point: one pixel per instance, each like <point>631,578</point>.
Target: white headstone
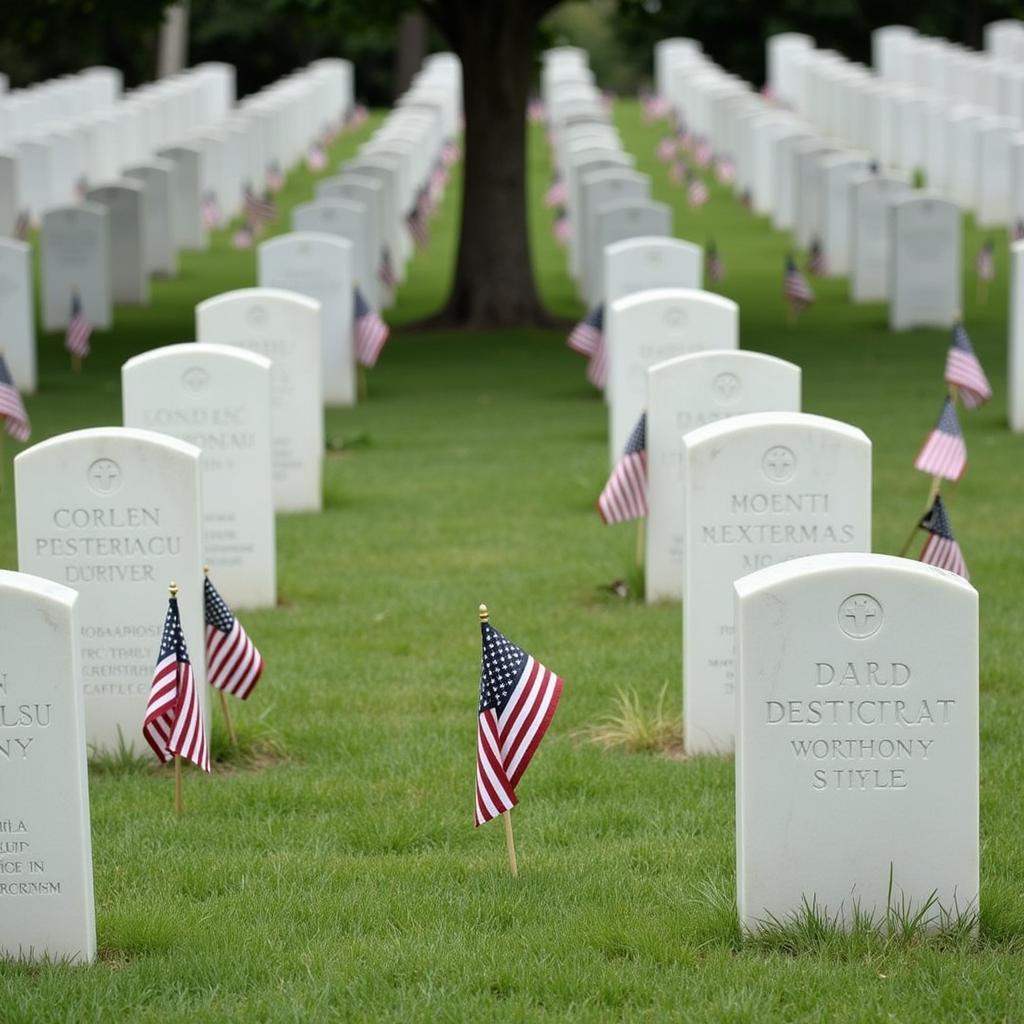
<point>925,289</point>
<point>758,489</point>
<point>838,173</point>
<point>129,281</point>
<point>870,197</point>
<point>218,399</point>
<point>187,225</point>
<point>45,842</point>
<point>683,394</point>
<point>75,258</point>
<point>157,179</point>
<point>649,327</point>
<point>319,266</point>
<point>857,740</point>
<point>638,264</point>
<point>348,219</point>
<point>284,327</point>
<point>1015,367</point>
<point>115,513</point>
<point>17,313</point>
<point>617,221</point>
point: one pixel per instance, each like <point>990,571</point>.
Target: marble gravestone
<point>857,739</point>
<point>115,513</point>
<point>188,229</point>
<point>682,394</point>
<point>157,180</point>
<point>218,399</point>
<point>1015,360</point>
<point>10,200</point>
<point>17,316</point>
<point>649,327</point>
<point>369,193</point>
<point>319,266</point>
<point>45,842</point>
<point>129,281</point>
<point>925,288</point>
<point>838,171</point>
<point>75,258</point>
<point>639,264</point>
<point>616,221</point>
<point>284,327</point>
<point>348,219</point>
<point>870,197</point>
<point>758,489</point>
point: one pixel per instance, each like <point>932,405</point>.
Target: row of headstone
<point>894,244</point>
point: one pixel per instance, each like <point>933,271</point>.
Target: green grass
<point>344,879</point>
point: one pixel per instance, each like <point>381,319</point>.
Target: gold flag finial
<point>173,589</point>
<point>483,613</point>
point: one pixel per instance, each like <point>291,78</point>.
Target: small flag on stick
<point>795,288</point>
<point>625,494</point>
<point>316,158</point>
<point>557,193</point>
<point>387,275</point>
<point>944,452</point>
<point>714,268</point>
<point>941,547</point>
<point>518,698</point>
<point>173,725</point>
<point>370,330</point>
<point>12,408</point>
<point>78,333</point>
<point>964,371</point>
<point>587,334</point>
<point>233,664</point>
<point>985,268</point>
<point>597,367</point>
<point>696,191</point>
<point>816,258</point>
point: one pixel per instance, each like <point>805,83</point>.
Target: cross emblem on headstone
<point>779,463</point>
<point>860,616</point>
<point>726,385</point>
<point>104,475</point>
<point>861,612</point>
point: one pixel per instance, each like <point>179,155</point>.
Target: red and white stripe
<point>557,194</point>
<point>942,455</point>
<point>964,371</point>
<point>697,194</point>
<point>597,368</point>
<point>584,338</point>
<point>232,662</point>
<point>174,719</point>
<point>371,335</point>
<point>944,553</point>
<point>76,339</point>
<point>625,494</point>
<point>506,743</point>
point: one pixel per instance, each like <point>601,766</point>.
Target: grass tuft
<point>259,745</point>
<point>632,728</point>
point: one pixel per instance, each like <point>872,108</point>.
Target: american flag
<point>944,452</point>
<point>625,494</point>
<point>713,265</point>
<point>535,111</point>
<point>676,172</point>
<point>370,330</point>
<point>746,199</point>
<point>174,719</point>
<point>438,183</point>
<point>941,548</point>
<point>656,108</point>
<point>259,209</point>
<point>76,337</point>
<point>450,153</point>
<point>316,158</point>
<point>12,408</point>
<point>417,223</point>
<point>518,698</point>
<point>387,269</point>
<point>597,368</point>
<point>275,179</point>
<point>768,92</point>
<point>560,227</point>
<point>210,211</point>
<point>243,237</point>
<point>232,662</point>
<point>22,225</point>
<point>696,192</point>
<point>963,370</point>
<point>816,258</point>
<point>667,149</point>
<point>684,140</point>
<point>1018,231</point>
<point>795,288</point>
<point>703,154</point>
<point>985,264</point>
<point>586,336</point>
<point>725,170</point>
<point>557,193</point>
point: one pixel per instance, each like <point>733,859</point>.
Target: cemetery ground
<point>338,875</point>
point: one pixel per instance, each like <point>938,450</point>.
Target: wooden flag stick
<point>227,718</point>
<point>76,364</point>
<point>640,545</point>
<point>361,381</point>
<point>510,842</point>
<point>909,540</point>
<point>3,458</point>
<point>179,803</point>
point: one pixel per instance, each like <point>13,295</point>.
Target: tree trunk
<point>410,50</point>
<point>494,284</point>
<point>172,45</point>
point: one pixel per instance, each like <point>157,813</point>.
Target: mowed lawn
<point>345,880</point>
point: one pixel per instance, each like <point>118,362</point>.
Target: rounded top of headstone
<point>683,296</point>
<point>100,436</point>
<point>757,422</point>
<point>26,583</point>
<point>252,295</point>
<point>859,623</point>
<point>192,350</point>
